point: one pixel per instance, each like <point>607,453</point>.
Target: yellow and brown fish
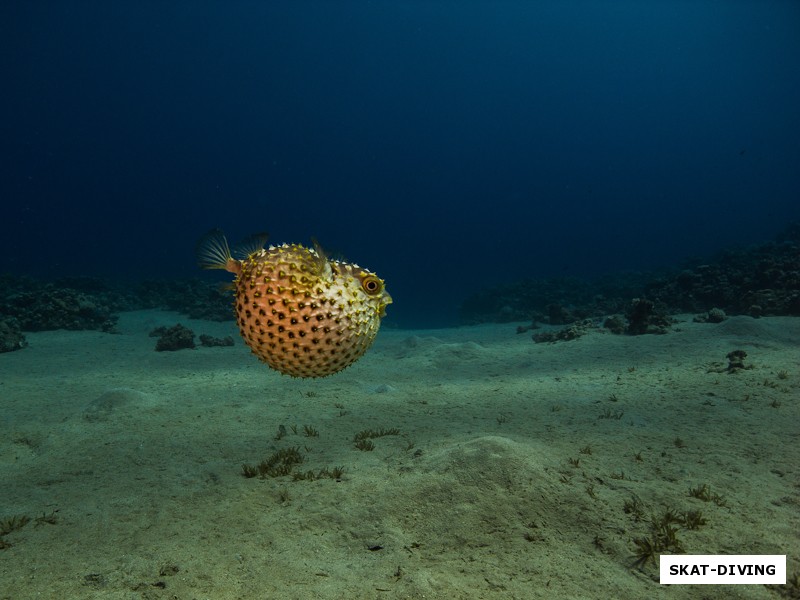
<point>300,312</point>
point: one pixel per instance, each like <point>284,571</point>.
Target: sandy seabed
<point>508,477</point>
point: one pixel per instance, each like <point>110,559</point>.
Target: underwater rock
<point>557,301</point>
<point>91,303</point>
<point>644,316</point>
<point>758,281</point>
<point>736,361</point>
<point>615,324</point>
<point>559,315</point>
<point>173,338</point>
<point>715,315</point>
<point>52,307</point>
<point>573,332</point>
<point>209,341</point>
<point>526,328</point>
<point>11,337</point>
<point>194,298</point>
<point>209,303</point>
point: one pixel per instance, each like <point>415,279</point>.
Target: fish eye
<point>371,284</point>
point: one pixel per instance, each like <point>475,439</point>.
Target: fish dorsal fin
<point>251,244</point>
<point>318,249</point>
<point>212,250</point>
<point>321,259</point>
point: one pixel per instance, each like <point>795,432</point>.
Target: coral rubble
<point>11,337</point>
<point>173,338</point>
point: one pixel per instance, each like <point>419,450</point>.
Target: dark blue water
<point>445,145</point>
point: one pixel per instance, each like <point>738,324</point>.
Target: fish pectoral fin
<point>213,252</point>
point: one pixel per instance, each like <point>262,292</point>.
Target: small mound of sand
<point>102,408</point>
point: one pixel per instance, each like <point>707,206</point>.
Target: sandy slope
<point>140,454</point>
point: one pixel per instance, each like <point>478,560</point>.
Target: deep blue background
<point>445,145</point>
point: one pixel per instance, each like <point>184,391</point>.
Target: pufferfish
<point>300,312</point>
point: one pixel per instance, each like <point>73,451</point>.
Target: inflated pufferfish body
<point>301,313</point>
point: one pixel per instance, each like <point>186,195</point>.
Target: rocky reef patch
<point>88,303</point>
<point>762,280</point>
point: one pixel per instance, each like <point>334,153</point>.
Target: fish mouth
<point>385,301</point>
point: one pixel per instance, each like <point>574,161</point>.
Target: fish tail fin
<point>213,252</point>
